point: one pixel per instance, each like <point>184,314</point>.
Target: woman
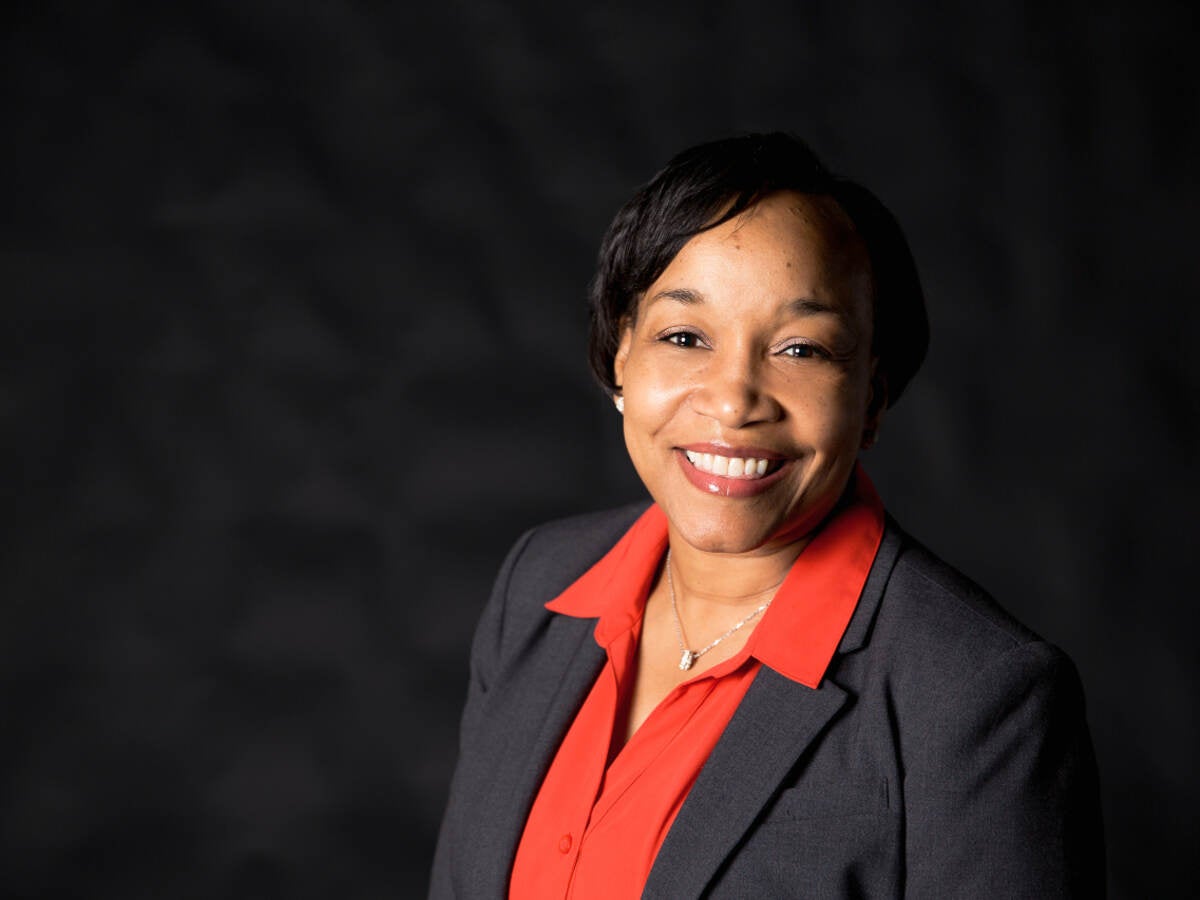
<point>759,686</point>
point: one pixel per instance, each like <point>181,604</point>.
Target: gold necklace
<point>689,657</point>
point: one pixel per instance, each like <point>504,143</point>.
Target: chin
<point>723,534</point>
<point>733,527</point>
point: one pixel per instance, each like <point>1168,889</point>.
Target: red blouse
<point>598,820</point>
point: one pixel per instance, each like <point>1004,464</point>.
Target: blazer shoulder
<point>936,630</point>
<point>925,588</point>
<point>950,663</point>
<point>558,552</point>
<point>543,563</point>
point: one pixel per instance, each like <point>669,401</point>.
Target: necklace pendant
<point>686,660</point>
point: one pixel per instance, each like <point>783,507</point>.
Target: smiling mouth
<point>745,468</point>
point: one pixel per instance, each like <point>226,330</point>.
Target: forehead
<point>812,225</point>
<point>787,243</point>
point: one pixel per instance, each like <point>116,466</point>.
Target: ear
<point>877,402</point>
<point>622,354</point>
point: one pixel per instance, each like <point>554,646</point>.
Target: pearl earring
<point>619,403</point>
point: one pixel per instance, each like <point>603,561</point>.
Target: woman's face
<point>747,375</point>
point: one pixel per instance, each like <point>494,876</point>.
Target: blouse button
<point>564,844</point>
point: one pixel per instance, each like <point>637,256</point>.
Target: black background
<point>293,349</point>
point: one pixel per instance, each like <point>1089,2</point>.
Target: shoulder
<point>549,557</point>
<point>925,592</point>
<point>925,598</point>
<point>543,562</point>
<point>942,646</point>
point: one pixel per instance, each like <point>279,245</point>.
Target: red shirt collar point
<point>620,580</point>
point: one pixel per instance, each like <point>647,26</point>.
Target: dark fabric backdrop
<point>293,349</point>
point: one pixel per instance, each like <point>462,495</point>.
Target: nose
<point>733,390</point>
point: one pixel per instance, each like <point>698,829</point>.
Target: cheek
<point>829,393</point>
<point>834,428</point>
<point>652,393</point>
<point>648,414</point>
<point>830,414</point>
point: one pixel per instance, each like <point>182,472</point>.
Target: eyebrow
<point>809,306</point>
<point>803,306</point>
<point>683,295</point>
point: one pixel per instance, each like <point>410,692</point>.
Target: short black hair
<point>712,183</point>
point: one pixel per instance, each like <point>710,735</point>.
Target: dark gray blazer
<point>945,754</point>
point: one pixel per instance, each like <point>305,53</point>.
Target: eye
<point>803,350</point>
<point>683,339</point>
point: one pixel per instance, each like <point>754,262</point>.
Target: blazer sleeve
<point>1002,797</point>
<point>485,657</point>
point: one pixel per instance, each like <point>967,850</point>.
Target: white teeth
<point>729,466</point>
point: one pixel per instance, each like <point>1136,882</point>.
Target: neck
<point>718,580</point>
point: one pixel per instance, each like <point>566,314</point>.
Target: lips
<point>735,472</point>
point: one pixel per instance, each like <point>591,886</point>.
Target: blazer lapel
<point>777,719</point>
<point>532,719</point>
